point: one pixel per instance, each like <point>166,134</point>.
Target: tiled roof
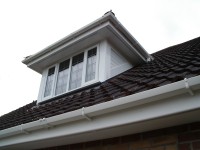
<point>169,65</point>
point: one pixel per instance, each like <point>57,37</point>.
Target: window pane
<point>49,82</point>
<point>63,72</point>
<point>91,65</point>
<point>76,71</point>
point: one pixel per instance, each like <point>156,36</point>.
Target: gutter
<point>157,94</point>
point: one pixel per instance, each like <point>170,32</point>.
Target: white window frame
<point>85,65</point>
<point>45,81</point>
<point>83,83</point>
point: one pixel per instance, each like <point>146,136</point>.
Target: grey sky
<point>29,26</point>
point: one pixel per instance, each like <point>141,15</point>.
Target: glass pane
<point>91,65</point>
<point>49,82</point>
<point>63,72</point>
<point>76,71</point>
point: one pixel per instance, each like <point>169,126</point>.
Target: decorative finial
<point>109,12</point>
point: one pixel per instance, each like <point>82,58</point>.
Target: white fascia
<point>97,27</point>
<point>168,100</point>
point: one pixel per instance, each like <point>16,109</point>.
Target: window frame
<point>83,82</point>
<point>56,78</point>
<point>82,70</point>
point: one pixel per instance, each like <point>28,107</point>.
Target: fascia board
<point>42,123</point>
<point>117,26</point>
<point>131,101</point>
<point>73,35</point>
<point>145,97</point>
<point>160,110</point>
<point>125,41</point>
<point>131,39</point>
<point>67,38</point>
<point>67,44</point>
<point>107,26</point>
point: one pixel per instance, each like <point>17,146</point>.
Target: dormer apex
<point>109,12</point>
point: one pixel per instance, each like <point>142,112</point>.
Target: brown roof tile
<point>169,65</point>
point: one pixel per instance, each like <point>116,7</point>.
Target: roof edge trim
<point>138,99</point>
<point>109,17</point>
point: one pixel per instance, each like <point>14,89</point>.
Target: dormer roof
<point>105,28</point>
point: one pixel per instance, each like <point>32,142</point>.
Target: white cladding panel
<point>118,63</point>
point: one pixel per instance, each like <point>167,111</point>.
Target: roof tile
<point>169,65</point>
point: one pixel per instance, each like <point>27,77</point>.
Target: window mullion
<point>84,67</point>
<point>69,76</point>
<point>97,64</point>
<point>55,80</point>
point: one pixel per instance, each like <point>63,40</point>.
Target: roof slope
<point>169,65</point>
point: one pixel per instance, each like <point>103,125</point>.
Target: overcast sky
<point>27,26</point>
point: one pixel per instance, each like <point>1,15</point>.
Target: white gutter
<point>157,94</point>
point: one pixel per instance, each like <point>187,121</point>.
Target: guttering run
<point>157,94</point>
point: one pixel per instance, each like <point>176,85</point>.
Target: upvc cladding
<point>118,63</point>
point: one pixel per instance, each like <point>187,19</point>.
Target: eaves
<point>164,106</point>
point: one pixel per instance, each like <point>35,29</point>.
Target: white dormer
<point>88,56</point>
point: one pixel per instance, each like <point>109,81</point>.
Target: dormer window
<point>70,74</point>
<point>94,53</point>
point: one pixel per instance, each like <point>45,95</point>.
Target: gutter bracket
<point>84,115</point>
<point>46,124</point>
<point>23,130</point>
<point>187,86</point>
